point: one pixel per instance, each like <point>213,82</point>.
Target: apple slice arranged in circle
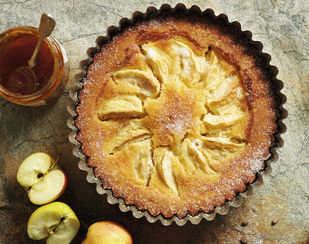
<point>41,178</point>
<point>56,222</point>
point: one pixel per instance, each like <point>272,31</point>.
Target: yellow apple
<point>106,232</point>
<point>56,222</point>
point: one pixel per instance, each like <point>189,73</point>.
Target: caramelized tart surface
<point>175,117</point>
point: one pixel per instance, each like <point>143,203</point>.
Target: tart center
<point>173,115</point>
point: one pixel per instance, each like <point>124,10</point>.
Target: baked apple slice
<point>122,106</point>
<point>166,163</point>
<point>138,81</point>
<point>224,120</point>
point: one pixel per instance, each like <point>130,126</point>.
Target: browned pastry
<point>175,117</point>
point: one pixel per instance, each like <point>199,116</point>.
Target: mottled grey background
<point>276,212</point>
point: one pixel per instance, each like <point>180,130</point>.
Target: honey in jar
<point>51,69</point>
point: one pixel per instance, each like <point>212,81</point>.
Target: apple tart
<point>175,116</point>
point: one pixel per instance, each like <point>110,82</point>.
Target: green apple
<point>56,222</point>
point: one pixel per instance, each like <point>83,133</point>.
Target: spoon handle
<point>47,25</point>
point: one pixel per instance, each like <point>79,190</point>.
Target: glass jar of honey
<point>51,68</point>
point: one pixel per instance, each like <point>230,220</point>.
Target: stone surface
<point>276,211</point>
